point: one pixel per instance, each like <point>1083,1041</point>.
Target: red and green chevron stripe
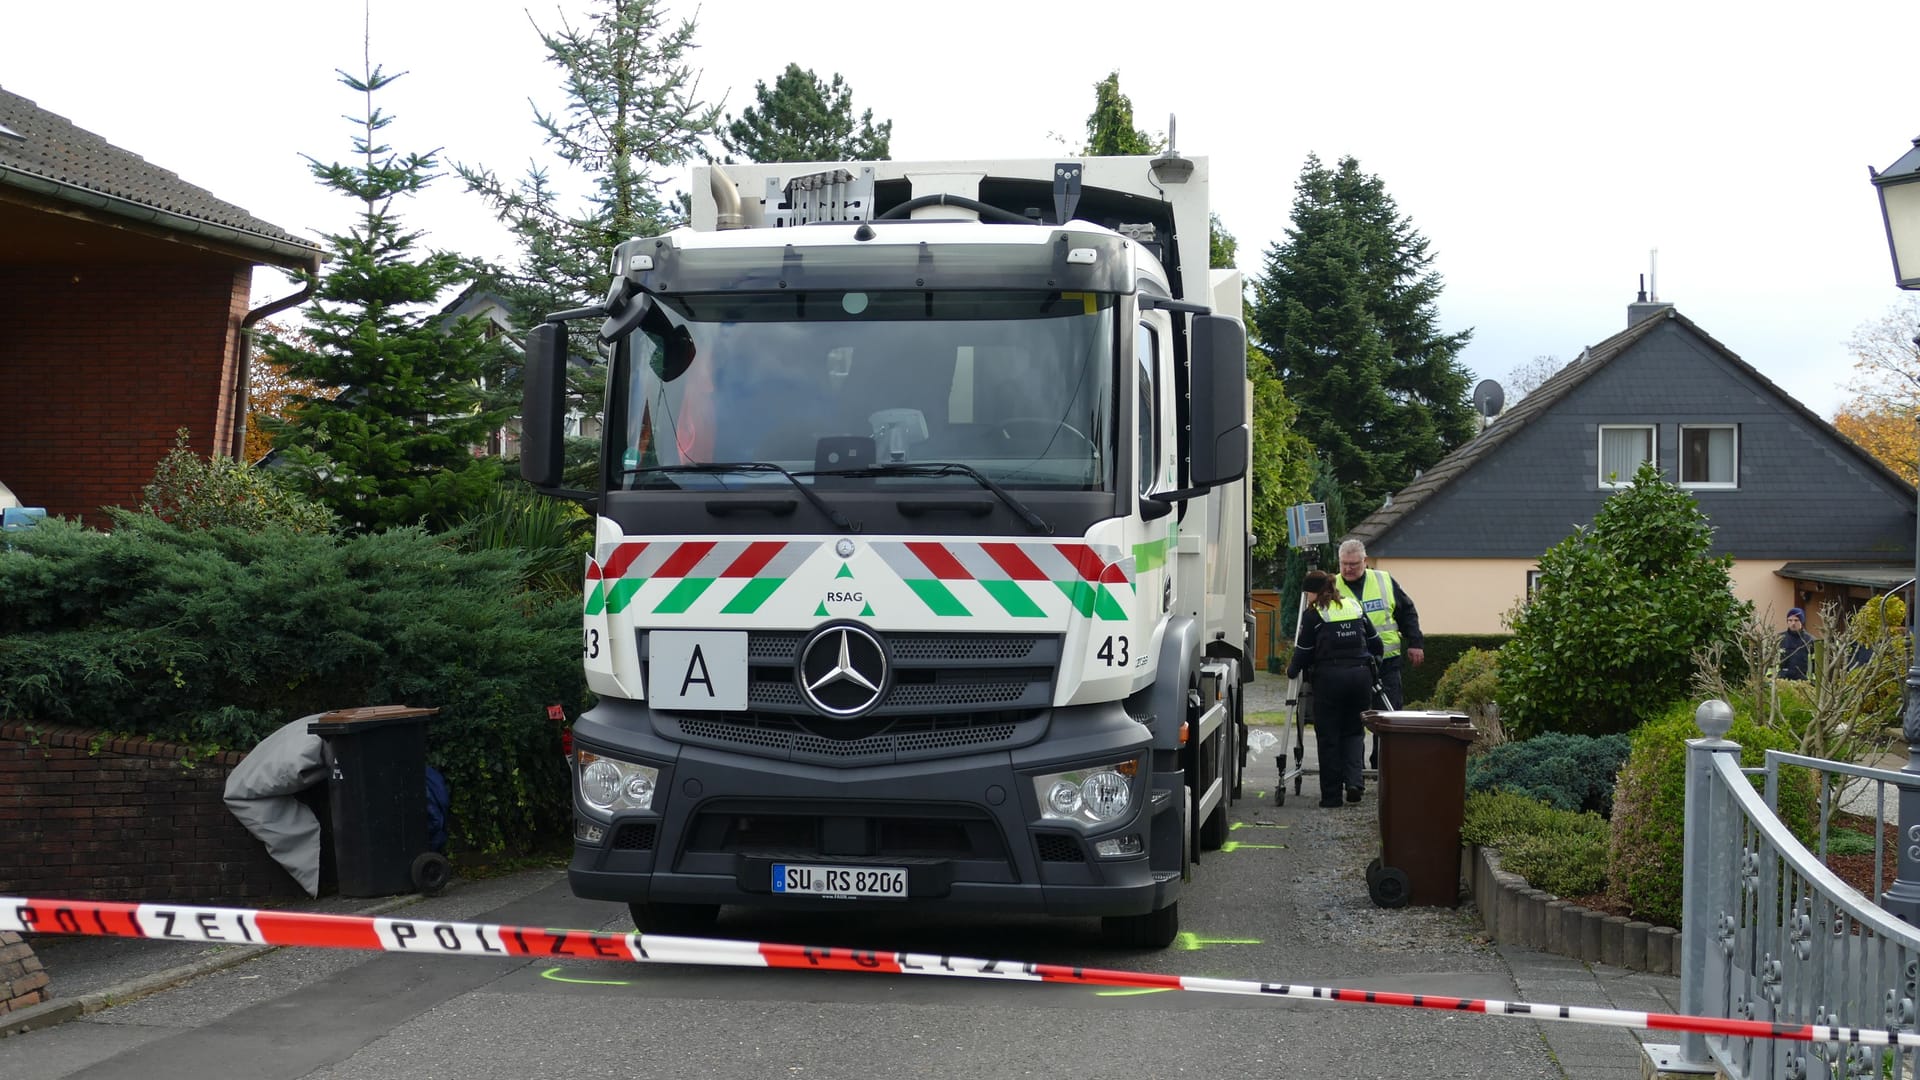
<point>695,566</point>
<point>1007,571</point>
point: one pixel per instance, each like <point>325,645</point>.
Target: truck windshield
<point>1016,385</point>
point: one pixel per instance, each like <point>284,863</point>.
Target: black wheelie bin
<point>376,759</point>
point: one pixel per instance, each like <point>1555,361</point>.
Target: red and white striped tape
<point>244,926</point>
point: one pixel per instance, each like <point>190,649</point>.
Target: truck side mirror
<point>543,398</point>
<point>1222,441</point>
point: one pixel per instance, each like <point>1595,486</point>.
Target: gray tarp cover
<point>261,790</point>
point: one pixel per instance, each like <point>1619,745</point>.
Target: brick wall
<point>101,364</point>
<point>90,817</point>
<point>23,981</point>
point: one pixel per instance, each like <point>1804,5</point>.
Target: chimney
<point>1642,308</point>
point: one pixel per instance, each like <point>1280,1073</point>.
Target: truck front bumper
<point>967,829</point>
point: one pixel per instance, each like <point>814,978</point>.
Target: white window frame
<point>1533,582</point>
<point>1147,457</point>
<point>1708,485</point>
<point>1600,452</point>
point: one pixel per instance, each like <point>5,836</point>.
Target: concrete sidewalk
<point>1585,1052</point>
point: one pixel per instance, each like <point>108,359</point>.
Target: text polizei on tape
<point>177,922</point>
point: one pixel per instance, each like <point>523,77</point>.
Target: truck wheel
<point>1154,930</point>
<point>674,918</point>
<point>1213,832</point>
<point>1239,748</point>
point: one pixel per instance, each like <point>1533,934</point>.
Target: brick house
<point>124,298</point>
<point>1808,515</point>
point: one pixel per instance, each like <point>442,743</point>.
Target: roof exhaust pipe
<point>726,200</point>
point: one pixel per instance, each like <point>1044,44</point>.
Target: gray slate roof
<point>56,159</point>
<point>1550,393</point>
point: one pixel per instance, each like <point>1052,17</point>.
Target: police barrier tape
<point>245,926</point>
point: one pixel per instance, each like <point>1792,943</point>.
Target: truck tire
<point>1154,930</point>
<point>674,918</point>
<point>1213,831</point>
<point>1239,745</point>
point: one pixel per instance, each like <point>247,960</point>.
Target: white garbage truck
<point>919,569</point>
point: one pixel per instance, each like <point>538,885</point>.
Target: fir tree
<point>803,119</point>
<point>633,113</point>
<point>1110,130</point>
<point>1345,307</point>
<point>386,435</point>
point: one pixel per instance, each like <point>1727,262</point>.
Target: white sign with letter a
<point>697,669</point>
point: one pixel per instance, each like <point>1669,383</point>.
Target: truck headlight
<point>608,784</point>
<point>1089,796</point>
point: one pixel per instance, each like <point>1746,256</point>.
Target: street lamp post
<point>1899,188</point>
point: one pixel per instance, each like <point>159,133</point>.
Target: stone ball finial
<point>1714,718</point>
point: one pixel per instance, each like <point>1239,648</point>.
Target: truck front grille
<point>951,693</point>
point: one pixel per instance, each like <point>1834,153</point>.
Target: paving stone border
<point>1515,913</point>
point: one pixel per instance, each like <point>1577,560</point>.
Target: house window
<point>1533,583</point>
<point>1709,455</point>
<point>1622,449</point>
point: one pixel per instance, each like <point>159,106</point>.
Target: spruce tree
<point>1345,307</point>
<point>1110,130</point>
<point>386,434</point>
<point>803,119</point>
<point>633,116</point>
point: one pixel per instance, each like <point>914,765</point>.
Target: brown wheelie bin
<point>1423,793</point>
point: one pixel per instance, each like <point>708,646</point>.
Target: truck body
<point>919,574</point>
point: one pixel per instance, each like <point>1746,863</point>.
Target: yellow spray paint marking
<point>553,974</point>
<point>1235,845</point>
<point>1132,993</point>
<point>1255,825</point>
<point>1194,942</point>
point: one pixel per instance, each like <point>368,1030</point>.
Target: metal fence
<point>1769,933</point>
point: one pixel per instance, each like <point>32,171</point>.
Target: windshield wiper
<point>720,467</point>
<point>945,468</point>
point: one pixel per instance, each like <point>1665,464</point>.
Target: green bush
<point>1560,851</point>
<point>1610,634</point>
<point>554,534</point>
<point>218,637</point>
<point>1443,651</point>
<point>203,493</point>
<point>1469,683</point>
<point>1644,865</point>
<point>1567,772</point>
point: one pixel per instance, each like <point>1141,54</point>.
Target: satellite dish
<point>1489,399</point>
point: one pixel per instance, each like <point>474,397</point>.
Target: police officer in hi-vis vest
<point>1337,648</point>
<point>1393,614</point>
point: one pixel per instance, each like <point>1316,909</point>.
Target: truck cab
<point>919,572</point>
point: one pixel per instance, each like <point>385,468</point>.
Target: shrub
<point>204,493</point>
<point>1557,850</point>
<point>1443,651</point>
<point>554,534</point>
<point>218,637</point>
<point>1644,865</point>
<point>1469,684</point>
<point>1610,634</point>
<point>1566,772</point>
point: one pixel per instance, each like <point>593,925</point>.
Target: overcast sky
<point>1544,149</point>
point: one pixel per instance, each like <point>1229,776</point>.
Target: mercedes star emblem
<point>843,670</point>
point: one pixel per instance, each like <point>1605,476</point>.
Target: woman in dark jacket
<point>1338,650</point>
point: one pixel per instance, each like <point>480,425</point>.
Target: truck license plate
<point>888,881</point>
